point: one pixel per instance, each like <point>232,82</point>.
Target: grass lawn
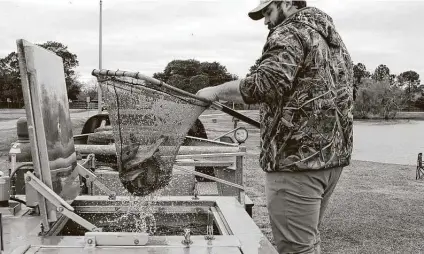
<point>376,208</point>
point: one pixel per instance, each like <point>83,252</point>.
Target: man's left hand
<point>209,93</point>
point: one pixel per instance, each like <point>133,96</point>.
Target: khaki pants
<point>296,203</point>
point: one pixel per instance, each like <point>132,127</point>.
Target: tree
<point>382,72</point>
<point>408,78</point>
<point>9,78</point>
<point>359,73</point>
<point>198,82</point>
<point>192,75</point>
<point>74,88</point>
<point>88,90</point>
<point>378,99</point>
<point>9,71</point>
<point>411,79</point>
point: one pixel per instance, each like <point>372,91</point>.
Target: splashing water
<point>139,216</point>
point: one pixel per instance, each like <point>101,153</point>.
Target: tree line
<point>383,94</point>
<point>377,94</point>
<point>10,80</point>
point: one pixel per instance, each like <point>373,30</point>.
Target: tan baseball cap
<point>256,14</point>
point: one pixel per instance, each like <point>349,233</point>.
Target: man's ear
<point>285,5</point>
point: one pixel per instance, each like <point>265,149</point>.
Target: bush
<point>378,99</point>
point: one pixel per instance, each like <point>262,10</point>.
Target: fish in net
<point>149,124</point>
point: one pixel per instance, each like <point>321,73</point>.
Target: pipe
<point>184,150</point>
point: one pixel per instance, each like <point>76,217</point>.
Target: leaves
<point>378,98</point>
<point>10,78</point>
<point>192,75</point>
<point>360,72</point>
<point>382,72</point>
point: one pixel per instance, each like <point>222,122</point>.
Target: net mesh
<point>149,125</point>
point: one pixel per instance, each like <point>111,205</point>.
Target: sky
<point>144,36</point>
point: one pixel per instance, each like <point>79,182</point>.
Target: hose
<point>20,201</point>
<point>18,168</point>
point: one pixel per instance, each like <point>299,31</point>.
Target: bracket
<point>98,239</point>
<point>92,178</point>
<point>89,176</point>
<point>61,205</point>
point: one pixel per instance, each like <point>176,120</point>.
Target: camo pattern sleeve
<point>280,62</point>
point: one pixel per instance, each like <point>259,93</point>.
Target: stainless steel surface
<point>103,239</point>
<point>146,250</point>
<point>4,188</point>
<point>245,237</point>
<point>49,123</point>
<point>12,209</point>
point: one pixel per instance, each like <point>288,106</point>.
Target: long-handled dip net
<point>149,120</point>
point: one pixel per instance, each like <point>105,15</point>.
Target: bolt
<point>90,241</point>
<point>28,178</point>
<point>60,209</point>
<point>136,241</point>
<point>112,196</point>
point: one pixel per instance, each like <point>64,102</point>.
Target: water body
<point>397,141</point>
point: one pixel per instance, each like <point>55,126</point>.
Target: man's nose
<point>266,21</point>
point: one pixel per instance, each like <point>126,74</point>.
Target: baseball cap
<point>256,14</point>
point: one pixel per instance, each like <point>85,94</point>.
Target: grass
<point>375,208</point>
<point>7,137</point>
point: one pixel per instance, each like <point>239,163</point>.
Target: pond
<point>397,141</point>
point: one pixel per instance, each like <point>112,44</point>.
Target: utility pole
<point>99,91</point>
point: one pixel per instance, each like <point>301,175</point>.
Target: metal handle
<point>162,84</point>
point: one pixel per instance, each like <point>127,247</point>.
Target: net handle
<point>215,105</point>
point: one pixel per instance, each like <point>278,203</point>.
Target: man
<point>304,87</point>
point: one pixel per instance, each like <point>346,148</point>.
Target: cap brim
<point>256,14</point>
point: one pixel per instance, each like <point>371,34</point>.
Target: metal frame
<point>35,131</point>
<point>240,230</point>
<point>61,205</point>
<point>91,178</point>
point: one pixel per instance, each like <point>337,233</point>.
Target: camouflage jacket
<point>304,84</point>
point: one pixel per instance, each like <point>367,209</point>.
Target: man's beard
<point>280,18</point>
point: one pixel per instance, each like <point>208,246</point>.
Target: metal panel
<point>49,123</point>
<point>142,250</point>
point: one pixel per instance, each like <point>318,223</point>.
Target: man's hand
<point>209,93</point>
<point>229,91</point>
